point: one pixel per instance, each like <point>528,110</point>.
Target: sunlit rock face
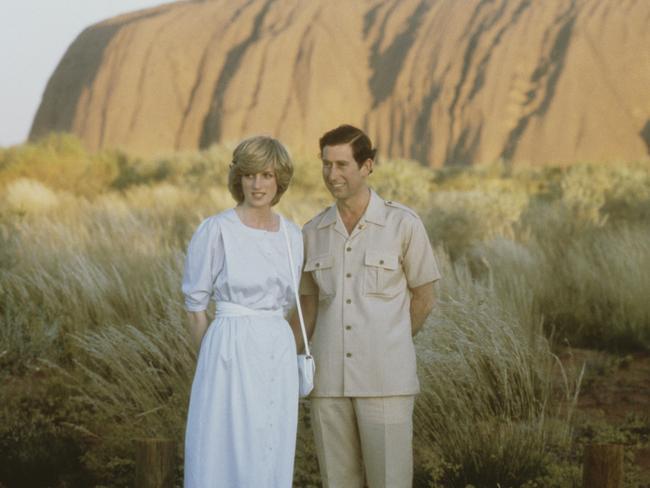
<point>446,82</point>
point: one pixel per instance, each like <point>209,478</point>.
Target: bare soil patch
<point>614,402</point>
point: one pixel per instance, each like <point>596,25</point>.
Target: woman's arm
<point>198,326</point>
<point>309,305</point>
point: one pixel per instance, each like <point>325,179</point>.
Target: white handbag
<point>306,365</point>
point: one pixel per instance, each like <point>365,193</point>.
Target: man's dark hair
<point>346,134</point>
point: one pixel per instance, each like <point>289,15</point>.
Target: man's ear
<point>368,164</point>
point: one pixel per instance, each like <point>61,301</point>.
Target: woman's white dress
<point>243,413</point>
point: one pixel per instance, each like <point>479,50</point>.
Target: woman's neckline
<point>234,211</point>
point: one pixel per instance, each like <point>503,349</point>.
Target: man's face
<point>341,173</point>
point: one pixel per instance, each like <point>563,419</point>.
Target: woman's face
<point>259,188</point>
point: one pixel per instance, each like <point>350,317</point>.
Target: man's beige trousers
<point>364,435</point>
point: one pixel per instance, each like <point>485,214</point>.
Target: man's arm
<point>198,326</point>
<point>309,304</point>
<point>422,300</point>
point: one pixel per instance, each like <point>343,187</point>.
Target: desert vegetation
<point>94,350</point>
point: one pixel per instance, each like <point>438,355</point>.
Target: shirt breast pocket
<point>322,269</point>
<point>383,276</point>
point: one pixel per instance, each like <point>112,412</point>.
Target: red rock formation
<point>441,81</point>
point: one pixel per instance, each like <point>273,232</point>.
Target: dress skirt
<point>243,413</point>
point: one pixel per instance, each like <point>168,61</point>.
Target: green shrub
<point>404,181</point>
<point>40,443</point>
<point>460,220</point>
<point>60,162</point>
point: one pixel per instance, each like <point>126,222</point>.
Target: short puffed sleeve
<point>203,263</point>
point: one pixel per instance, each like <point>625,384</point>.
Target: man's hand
<point>198,326</point>
<point>423,299</point>
<point>309,304</point>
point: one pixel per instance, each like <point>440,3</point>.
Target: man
<point>366,289</point>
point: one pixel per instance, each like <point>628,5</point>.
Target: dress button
<point>381,261</point>
<point>318,265</point>
<point>348,275</point>
<point>348,301</point>
<point>349,249</point>
<point>348,327</point>
<point>349,355</point>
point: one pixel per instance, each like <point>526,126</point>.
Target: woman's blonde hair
<point>252,156</point>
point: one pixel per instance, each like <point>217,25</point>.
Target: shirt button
<point>381,261</point>
<point>349,355</point>
<point>348,327</point>
<point>318,265</point>
<point>348,301</point>
<point>348,275</point>
<point>349,249</point>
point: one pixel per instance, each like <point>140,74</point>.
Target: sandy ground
<point>615,400</point>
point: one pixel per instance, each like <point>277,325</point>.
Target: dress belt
<point>229,309</point>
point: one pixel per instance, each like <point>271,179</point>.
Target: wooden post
<point>603,466</point>
<point>155,463</point>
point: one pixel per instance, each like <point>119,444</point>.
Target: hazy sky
<point>34,35</point>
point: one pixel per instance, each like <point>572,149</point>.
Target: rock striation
<point>446,82</point>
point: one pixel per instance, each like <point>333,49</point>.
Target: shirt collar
<point>329,218</point>
<point>375,212</point>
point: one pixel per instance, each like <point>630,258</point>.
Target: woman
<point>242,419</point>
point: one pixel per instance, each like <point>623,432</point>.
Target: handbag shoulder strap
<point>295,285</point>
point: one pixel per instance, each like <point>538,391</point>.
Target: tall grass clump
<point>574,224</point>
<point>96,290</point>
<point>592,288</point>
<point>29,196</point>
<point>489,408</point>
<point>137,381</point>
<point>113,260</point>
<point>589,236</point>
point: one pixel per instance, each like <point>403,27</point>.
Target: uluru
<point>444,82</point>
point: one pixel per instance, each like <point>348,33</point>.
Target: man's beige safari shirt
<point>362,341</point>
